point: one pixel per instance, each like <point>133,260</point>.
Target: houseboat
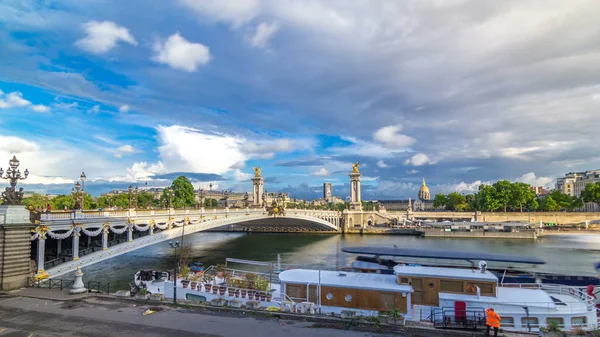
<point>507,274</point>
<point>450,297</point>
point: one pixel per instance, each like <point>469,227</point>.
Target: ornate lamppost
<point>264,199</point>
<point>202,194</point>
<point>246,198</point>
<point>130,193</point>
<point>82,177</point>
<point>77,194</point>
<point>174,245</point>
<point>11,196</point>
<point>170,196</point>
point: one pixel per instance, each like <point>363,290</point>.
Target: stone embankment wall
<point>562,218</point>
<point>15,256</point>
<point>480,234</point>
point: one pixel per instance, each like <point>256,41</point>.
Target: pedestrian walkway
<point>48,294</point>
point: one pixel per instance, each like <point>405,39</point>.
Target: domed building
<point>424,192</point>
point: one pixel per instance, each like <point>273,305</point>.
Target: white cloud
<point>382,164</point>
<point>103,36</point>
<point>13,100</point>
<point>40,108</point>
<point>53,162</point>
<point>179,53</point>
<point>533,180</point>
<point>419,159</point>
<point>124,150</point>
<point>238,175</point>
<point>236,12</point>
<point>141,171</point>
<point>66,106</point>
<point>263,34</point>
<point>266,149</point>
<point>412,172</point>
<point>391,137</point>
<point>365,148</point>
<point>95,109</point>
<point>124,108</point>
<point>322,172</point>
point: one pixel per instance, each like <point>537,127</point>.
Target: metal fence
<point>61,284</point>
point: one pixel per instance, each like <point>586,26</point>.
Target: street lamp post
<point>76,191</point>
<point>82,177</point>
<point>130,193</point>
<point>202,194</point>
<point>170,196</point>
<point>11,196</point>
<point>174,245</point>
<point>135,197</point>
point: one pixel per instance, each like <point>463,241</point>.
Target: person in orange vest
<point>492,321</point>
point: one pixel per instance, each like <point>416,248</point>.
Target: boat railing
<point>272,277</point>
<point>559,289</point>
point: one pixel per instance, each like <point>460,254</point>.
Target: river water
<point>568,254</point>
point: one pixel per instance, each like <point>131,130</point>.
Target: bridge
<point>113,233</point>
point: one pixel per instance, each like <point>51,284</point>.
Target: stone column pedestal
<point>78,286</point>
<point>355,200</point>
<point>15,247</point>
<point>257,191</point>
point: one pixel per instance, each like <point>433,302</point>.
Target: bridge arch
<point>172,227</point>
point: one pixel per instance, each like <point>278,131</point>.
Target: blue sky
<point>459,92</point>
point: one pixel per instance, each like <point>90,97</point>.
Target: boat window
<point>533,322</point>
<point>582,320</point>
<point>507,322</point>
<point>486,288</point>
<point>403,280</point>
<point>555,320</point>
<point>417,283</point>
<point>348,298</point>
<point>451,286</point>
<point>329,296</point>
<point>431,285</point>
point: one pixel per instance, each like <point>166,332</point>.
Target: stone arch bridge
<point>145,228</point>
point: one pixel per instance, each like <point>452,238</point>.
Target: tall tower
<point>355,201</point>
<point>327,192</point>
<point>257,188</point>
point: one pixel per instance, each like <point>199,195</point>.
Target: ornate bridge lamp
<point>77,194</point>
<point>82,177</point>
<point>170,196</point>
<point>133,194</point>
<point>202,194</point>
<point>11,196</point>
<point>174,245</point>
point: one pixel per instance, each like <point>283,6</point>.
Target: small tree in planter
<point>552,330</point>
<point>261,284</point>
<point>251,285</point>
<point>194,281</point>
<point>208,280</point>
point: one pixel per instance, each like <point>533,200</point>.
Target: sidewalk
<point>48,294</point>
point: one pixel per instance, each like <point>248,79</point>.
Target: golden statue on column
<point>355,167</point>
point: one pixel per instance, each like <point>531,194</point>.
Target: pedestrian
<point>492,321</point>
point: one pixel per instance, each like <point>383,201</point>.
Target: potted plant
<point>185,272</point>
<point>222,289</point>
<point>142,294</point>
<point>551,330</point>
<point>207,283</point>
<point>194,281</point>
<point>250,284</point>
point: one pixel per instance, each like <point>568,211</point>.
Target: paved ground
<point>31,317</point>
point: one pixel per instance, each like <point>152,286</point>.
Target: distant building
<point>327,192</point>
<point>422,203</point>
<point>539,190</point>
<point>573,183</point>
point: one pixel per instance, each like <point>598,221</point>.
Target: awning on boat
<point>439,254</point>
<point>256,263</point>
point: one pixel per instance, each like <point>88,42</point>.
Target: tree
<point>440,200</point>
<point>211,203</point>
<point>591,193</point>
<point>183,192</point>
<point>521,195</point>
<point>37,201</point>
<point>63,202</point>
<point>503,192</point>
<point>486,200</point>
<point>564,201</point>
<point>548,204</point>
<point>145,199</point>
<point>456,202</point>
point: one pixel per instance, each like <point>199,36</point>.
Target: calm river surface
<point>568,254</point>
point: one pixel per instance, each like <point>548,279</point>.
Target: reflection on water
<point>569,254</point>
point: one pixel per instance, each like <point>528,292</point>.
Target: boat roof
<point>445,273</point>
<point>508,296</point>
<point>441,254</point>
<point>343,279</point>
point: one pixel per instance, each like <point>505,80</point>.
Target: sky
<point>457,92</point>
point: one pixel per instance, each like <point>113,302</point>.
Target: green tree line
<point>515,197</point>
